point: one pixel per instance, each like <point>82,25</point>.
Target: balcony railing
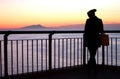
<point>35,54</point>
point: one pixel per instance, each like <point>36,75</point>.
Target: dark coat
<point>93,28</point>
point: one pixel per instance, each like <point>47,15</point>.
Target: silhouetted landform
<point>31,28</point>
<point>38,26</point>
<point>70,27</point>
<point>41,27</point>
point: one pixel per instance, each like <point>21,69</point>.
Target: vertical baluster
<point>66,52</point>
<point>54,53</point>
<point>102,55</point>
<point>81,41</point>
<point>87,55</point>
<point>42,54</point>
<point>107,55</point>
<point>0,59</point>
<point>84,54</point>
<point>74,52</point>
<point>46,53</point>
<point>40,41</point>
<point>116,50</point>
<point>27,56</point>
<point>22,58</point>
<point>32,57</point>
<point>11,57</point>
<point>58,53</point>
<point>62,52</point>
<point>70,51</point>
<point>77,51</point>
<point>17,55</point>
<point>111,51</point>
<point>37,54</point>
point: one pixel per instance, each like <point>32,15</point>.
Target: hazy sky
<point>19,13</point>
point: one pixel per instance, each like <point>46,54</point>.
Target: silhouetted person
<point>93,28</point>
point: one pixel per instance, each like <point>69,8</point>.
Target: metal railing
<point>19,56</point>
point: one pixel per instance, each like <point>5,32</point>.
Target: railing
<point>26,55</point>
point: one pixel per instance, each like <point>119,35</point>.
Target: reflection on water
<point>32,55</point>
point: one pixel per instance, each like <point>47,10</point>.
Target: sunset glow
<point>53,13</point>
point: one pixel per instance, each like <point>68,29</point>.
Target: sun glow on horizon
<point>18,13</point>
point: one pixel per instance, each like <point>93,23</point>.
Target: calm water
<point>56,36</point>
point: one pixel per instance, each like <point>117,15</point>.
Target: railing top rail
<point>53,31</point>
<point>37,32</point>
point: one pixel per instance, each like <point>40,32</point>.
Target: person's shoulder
<point>87,20</point>
<point>99,18</point>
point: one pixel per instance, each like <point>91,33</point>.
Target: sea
<point>67,43</point>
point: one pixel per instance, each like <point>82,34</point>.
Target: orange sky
<point>20,13</point>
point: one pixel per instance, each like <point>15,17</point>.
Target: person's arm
<point>101,27</point>
<point>86,25</point>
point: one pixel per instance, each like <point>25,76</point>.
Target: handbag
<point>104,39</point>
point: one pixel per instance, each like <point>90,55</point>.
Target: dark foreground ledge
<point>78,72</point>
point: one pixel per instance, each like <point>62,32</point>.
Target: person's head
<point>91,13</point>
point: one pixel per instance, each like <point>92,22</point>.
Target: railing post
<point>103,55</point>
<point>5,55</point>
<point>50,50</point>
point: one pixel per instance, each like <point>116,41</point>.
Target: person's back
<point>93,27</point>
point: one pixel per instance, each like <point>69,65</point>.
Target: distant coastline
<point>66,27</point>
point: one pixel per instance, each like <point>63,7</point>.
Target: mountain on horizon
<point>41,27</point>
<point>74,26</point>
<point>37,26</point>
<point>34,27</point>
